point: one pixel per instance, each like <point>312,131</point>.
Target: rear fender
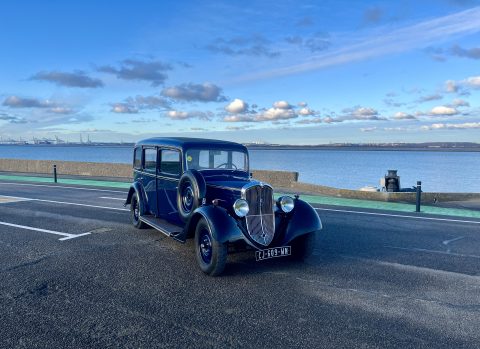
<point>137,188</point>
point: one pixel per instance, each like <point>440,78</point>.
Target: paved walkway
<point>314,199</point>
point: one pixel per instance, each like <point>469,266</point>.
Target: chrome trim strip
<point>223,187</point>
<point>157,176</point>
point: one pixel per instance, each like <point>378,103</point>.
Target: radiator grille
<point>260,218</point>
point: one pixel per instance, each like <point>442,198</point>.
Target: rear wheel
<point>211,254</point>
<point>135,213</point>
<point>302,247</point>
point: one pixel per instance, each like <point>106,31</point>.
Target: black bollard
<point>55,173</point>
<point>419,195</point>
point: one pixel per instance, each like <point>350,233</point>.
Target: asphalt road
<point>385,280</point>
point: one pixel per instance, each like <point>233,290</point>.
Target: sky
<point>289,72</point>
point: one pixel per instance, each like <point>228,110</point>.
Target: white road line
<point>73,236</point>
<point>414,249</point>
<point>11,200</point>
<point>399,215</point>
<point>109,198</point>
<point>446,242</point>
<point>70,203</point>
<point>66,236</point>
<point>63,187</point>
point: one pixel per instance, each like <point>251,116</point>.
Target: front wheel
<point>211,254</point>
<point>135,213</point>
<point>302,247</point>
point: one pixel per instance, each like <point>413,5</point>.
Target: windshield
<point>209,159</point>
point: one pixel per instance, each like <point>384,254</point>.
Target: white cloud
<point>276,113</point>
<point>183,115</point>
<point>442,126</point>
<point>282,105</point>
<point>358,113</point>
<point>306,111</point>
<point>403,116</point>
<point>238,118</point>
<point>473,82</point>
<point>123,108</point>
<point>329,120</point>
<point>237,106</point>
<point>443,110</point>
<point>368,129</point>
<point>364,112</point>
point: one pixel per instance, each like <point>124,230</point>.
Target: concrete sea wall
<point>282,180</point>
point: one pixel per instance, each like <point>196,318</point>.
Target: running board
<point>169,229</point>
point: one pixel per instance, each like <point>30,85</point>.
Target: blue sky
<point>298,72</point>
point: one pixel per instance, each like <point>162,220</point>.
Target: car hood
<point>227,181</point>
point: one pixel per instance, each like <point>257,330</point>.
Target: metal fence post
<point>55,173</point>
<point>419,196</point>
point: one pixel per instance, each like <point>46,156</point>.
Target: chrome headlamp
<point>241,207</point>
<point>286,204</point>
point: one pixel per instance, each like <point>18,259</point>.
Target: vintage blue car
<point>202,188</point>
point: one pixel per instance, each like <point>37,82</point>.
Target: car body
<point>188,187</point>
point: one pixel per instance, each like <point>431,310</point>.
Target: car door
<point>169,173</point>
<point>149,178</point>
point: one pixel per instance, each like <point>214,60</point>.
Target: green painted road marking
<point>390,206</point>
<point>313,199</point>
<point>88,182</point>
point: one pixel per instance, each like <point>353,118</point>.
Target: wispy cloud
<point>255,45</point>
<point>25,102</point>
<point>133,105</point>
<point>76,79</point>
<point>133,69</point>
<point>390,42</point>
<point>448,126</point>
<point>191,92</point>
<point>429,98</point>
<point>13,119</point>
<point>184,115</point>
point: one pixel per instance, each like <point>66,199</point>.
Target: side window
<point>150,160</point>
<point>170,162</point>
<point>137,158</point>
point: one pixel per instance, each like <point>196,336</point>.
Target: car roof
<point>186,142</point>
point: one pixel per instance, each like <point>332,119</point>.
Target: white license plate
<point>283,251</point>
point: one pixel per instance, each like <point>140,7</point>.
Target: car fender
<point>223,226</point>
<point>137,188</point>
<point>303,220</point>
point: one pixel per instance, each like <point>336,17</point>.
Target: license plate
<point>283,251</point>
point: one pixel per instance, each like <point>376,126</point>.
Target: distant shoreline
<point>445,147</point>
<point>365,148</point>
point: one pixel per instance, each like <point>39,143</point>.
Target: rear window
<point>150,160</point>
<point>170,162</point>
<point>137,158</point>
